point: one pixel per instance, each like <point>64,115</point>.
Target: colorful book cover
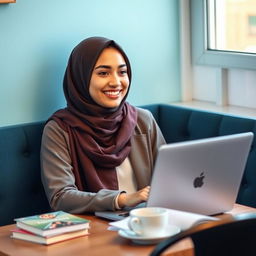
<point>52,223</point>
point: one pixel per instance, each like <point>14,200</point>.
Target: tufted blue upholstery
<point>21,191</point>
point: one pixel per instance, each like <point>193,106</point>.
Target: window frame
<point>201,55</point>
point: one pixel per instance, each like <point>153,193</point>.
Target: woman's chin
<point>111,104</point>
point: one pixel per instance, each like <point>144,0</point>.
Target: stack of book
<point>50,227</point>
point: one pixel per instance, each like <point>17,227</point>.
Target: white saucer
<point>170,231</point>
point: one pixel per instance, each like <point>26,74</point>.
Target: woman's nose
<point>115,80</point>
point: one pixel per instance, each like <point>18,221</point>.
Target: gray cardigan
<point>58,178</point>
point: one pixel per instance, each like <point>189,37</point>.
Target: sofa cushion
<point>179,124</point>
<point>21,190</point>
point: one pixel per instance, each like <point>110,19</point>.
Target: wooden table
<point>100,241</point>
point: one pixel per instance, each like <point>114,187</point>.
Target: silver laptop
<point>201,176</point>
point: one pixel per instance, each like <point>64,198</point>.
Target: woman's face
<point>109,81</point>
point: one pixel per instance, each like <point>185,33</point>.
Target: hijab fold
<point>100,138</point>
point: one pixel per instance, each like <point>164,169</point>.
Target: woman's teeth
<point>112,93</point>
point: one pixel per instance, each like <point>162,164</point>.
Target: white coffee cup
<point>149,221</point>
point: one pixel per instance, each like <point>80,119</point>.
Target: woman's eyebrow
<point>103,66</point>
<point>109,67</point>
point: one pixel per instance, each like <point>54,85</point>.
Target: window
<point>224,33</point>
<point>232,25</point>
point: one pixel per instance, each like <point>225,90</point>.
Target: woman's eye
<point>123,72</point>
<point>102,73</point>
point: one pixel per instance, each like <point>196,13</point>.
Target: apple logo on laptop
<point>198,181</point>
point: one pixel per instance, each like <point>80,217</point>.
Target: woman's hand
<point>133,199</point>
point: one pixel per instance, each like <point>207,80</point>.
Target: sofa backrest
<point>181,124</point>
<point>21,190</point>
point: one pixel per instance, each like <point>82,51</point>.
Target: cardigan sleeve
<point>59,181</point>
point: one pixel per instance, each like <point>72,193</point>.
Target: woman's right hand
<point>133,199</point>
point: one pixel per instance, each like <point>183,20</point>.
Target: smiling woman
<point>98,153</point>
<point>109,82</point>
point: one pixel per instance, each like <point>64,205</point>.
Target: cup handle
<point>134,225</point>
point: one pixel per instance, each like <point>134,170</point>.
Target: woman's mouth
<point>113,93</point>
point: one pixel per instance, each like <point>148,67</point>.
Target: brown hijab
<point>99,137</point>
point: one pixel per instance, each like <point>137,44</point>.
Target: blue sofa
<point>21,191</point>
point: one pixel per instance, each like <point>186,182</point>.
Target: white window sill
<point>212,107</point>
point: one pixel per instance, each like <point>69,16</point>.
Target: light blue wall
<point>37,36</point>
